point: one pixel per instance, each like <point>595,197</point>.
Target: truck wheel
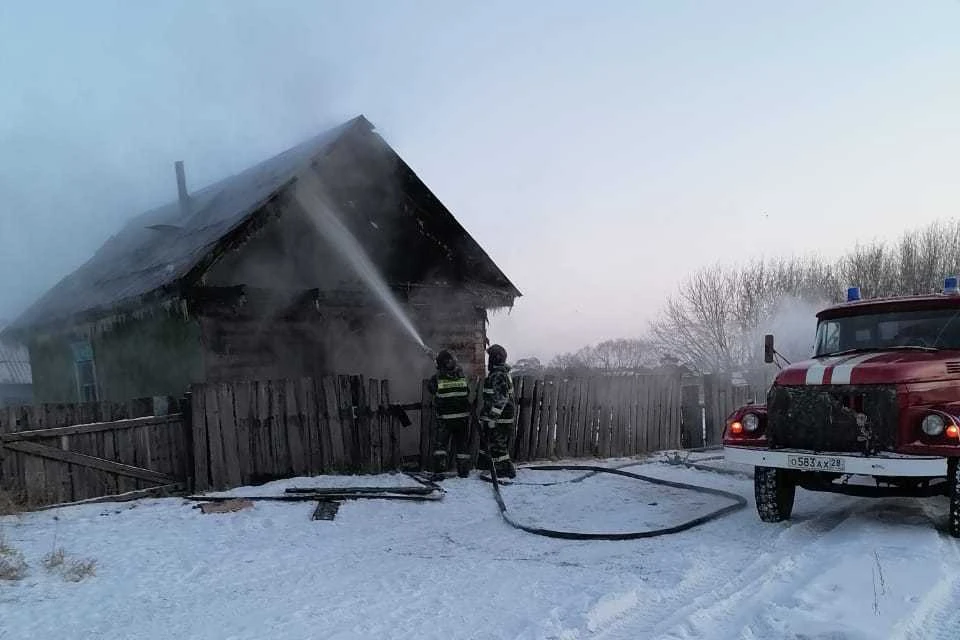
<point>953,482</point>
<point>775,490</point>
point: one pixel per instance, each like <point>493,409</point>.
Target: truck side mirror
<point>768,350</point>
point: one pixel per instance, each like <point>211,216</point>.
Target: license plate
<point>815,463</point>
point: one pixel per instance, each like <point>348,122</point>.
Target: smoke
<point>102,99</point>
<point>320,212</point>
<point>793,324</point>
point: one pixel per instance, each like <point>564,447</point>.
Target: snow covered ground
<point>843,568</point>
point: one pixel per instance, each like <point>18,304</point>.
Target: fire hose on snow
<point>737,502</point>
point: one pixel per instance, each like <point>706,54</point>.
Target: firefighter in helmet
<point>497,413</point>
<point>452,403</point>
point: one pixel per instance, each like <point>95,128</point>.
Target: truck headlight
<point>751,422</point>
<point>933,425</point>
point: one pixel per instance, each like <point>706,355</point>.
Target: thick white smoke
<point>793,324</point>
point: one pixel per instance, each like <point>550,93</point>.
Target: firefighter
<point>452,404</point>
<point>497,413</point>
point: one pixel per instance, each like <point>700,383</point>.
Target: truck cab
<point>874,412</point>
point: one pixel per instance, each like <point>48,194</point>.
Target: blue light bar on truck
<point>853,294</point>
<point>950,285</point>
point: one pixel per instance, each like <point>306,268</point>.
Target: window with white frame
<point>85,371</point>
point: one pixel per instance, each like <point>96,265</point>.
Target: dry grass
<point>12,564</point>
<point>5,548</point>
<point>70,570</point>
<point>54,560</point>
<point>78,570</point>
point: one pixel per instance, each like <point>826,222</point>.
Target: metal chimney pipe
<point>182,193</point>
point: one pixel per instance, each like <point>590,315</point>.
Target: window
<point>828,337</point>
<point>923,328</point>
<point>85,371</point>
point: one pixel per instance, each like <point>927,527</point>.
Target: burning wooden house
<point>264,275</point>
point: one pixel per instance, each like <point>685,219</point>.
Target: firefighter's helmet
<point>498,355</point>
<point>446,361</point>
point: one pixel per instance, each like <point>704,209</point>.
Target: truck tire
<point>775,490</point>
<point>953,482</point>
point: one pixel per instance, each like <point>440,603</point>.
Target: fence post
<point>709,406</point>
<point>189,465</point>
<point>9,469</point>
<point>690,416</point>
<point>426,427</point>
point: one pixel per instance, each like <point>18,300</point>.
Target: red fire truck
<point>875,412</point>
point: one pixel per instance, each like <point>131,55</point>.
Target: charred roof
<point>160,254</point>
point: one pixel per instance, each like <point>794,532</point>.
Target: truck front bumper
<point>887,464</point>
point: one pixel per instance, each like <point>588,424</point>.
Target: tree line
<point>716,320</point>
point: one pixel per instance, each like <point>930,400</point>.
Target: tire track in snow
<point>937,616</point>
<point>700,597</point>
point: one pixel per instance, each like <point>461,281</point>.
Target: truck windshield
<point>935,328</point>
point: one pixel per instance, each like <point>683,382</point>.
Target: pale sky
<point>599,151</point>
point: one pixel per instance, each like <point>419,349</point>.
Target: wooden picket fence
<point>602,416</point>
<point>251,432</point>
<point>223,435</point>
<point>57,453</point>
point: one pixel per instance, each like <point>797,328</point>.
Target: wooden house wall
<point>157,355</point>
<point>461,329</point>
<point>52,367</point>
<point>243,348</point>
<point>357,341</point>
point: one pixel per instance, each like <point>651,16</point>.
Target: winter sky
<point>598,151</point>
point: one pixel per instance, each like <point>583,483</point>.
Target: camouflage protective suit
<point>497,419</point>
<point>452,404</point>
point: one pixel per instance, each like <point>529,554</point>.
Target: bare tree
<point>714,322</point>
<point>528,367</point>
<point>622,354</point>
<point>698,325</point>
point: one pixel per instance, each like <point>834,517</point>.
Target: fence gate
<point>65,453</point>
